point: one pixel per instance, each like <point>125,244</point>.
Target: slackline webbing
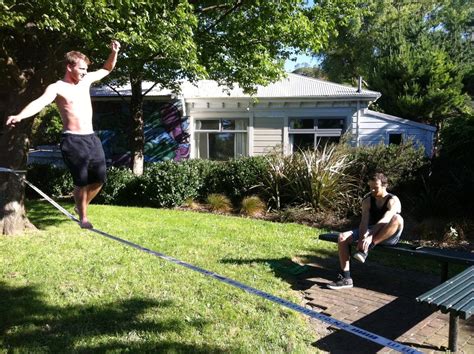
<point>288,304</point>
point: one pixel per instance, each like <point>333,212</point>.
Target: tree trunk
<point>137,137</point>
<point>14,145</point>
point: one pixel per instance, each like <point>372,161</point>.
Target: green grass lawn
<point>64,289</point>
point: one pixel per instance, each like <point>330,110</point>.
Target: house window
<point>395,138</point>
<point>221,139</point>
<point>310,133</point>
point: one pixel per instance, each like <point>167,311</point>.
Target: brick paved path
<point>382,301</point>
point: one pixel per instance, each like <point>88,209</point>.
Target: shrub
<point>116,189</point>
<point>219,203</point>
<point>252,206</point>
<point>315,177</point>
<point>170,183</point>
<point>400,163</point>
<point>274,180</point>
<point>47,127</point>
<point>318,178</point>
<point>234,178</point>
<point>54,181</point>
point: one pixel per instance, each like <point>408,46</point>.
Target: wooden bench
<point>455,296</point>
<point>443,256</point>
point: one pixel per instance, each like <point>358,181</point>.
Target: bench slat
<point>455,296</point>
<point>435,294</point>
<point>468,309</point>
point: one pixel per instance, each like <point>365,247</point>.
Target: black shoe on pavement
<point>360,256</point>
<point>340,283</point>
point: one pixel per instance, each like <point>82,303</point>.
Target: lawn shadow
<point>29,324</point>
<point>42,215</point>
<point>391,317</point>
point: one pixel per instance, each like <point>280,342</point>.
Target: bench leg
<point>453,332</point>
<point>444,272</point>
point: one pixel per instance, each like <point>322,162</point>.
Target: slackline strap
<point>298,308</point>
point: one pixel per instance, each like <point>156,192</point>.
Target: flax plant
<point>318,178</point>
<point>275,180</point>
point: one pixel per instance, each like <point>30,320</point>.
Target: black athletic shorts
<point>84,156</point>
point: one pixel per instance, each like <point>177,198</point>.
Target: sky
<point>300,59</point>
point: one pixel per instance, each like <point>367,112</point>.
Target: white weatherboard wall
<point>269,119</point>
<point>375,128</point>
<point>267,134</point>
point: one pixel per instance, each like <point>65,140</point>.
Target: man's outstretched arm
<point>34,106</point>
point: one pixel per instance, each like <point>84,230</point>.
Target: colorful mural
<point>165,130</point>
<point>166,136</point>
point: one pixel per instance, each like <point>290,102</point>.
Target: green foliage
<point>170,183</point>
<point>252,206</point>
<point>447,189</point>
<point>416,53</point>
<point>47,127</point>
<point>400,163</point>
<point>316,178</point>
<point>114,190</point>
<point>244,42</point>
<point>310,71</point>
<point>219,203</point>
<point>54,181</point>
<point>319,178</point>
<point>327,179</point>
<point>235,178</point>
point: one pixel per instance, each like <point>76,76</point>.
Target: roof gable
<point>369,113</point>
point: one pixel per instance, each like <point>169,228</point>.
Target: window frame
<point>205,133</point>
<point>316,132</point>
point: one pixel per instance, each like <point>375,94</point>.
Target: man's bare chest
<point>72,94</point>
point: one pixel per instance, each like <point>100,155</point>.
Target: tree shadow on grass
<point>391,319</point>
<point>42,214</point>
<point>29,324</point>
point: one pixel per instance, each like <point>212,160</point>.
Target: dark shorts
<point>84,156</point>
<point>392,240</point>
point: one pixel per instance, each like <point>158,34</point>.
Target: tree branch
<point>228,12</point>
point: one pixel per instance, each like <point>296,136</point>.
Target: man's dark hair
<point>379,176</point>
<point>73,57</point>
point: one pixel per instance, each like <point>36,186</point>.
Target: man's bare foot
<point>85,225</point>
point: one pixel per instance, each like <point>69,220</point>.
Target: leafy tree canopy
<point>416,53</point>
<point>165,41</point>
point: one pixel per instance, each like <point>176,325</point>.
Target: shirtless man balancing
<point>81,148</point>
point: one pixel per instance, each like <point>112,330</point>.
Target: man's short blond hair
<point>73,57</point>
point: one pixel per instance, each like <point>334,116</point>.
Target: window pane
<point>395,139</point>
<point>331,123</point>
<point>300,123</point>
<point>207,124</point>
<point>240,144</point>
<point>234,124</point>
<point>303,142</point>
<point>221,146</point>
<point>327,140</point>
<point>201,143</point>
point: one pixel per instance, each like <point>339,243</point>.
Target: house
<point>208,121</point>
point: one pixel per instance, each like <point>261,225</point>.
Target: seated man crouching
<point>381,222</point>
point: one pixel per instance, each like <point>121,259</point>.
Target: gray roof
<point>293,86</point>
